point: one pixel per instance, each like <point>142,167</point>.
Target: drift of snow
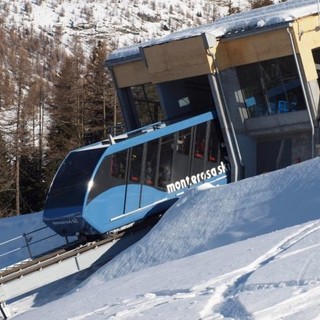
<point>248,250</point>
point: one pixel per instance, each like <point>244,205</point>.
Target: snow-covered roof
<point>254,19</point>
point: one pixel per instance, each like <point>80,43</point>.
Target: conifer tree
<point>18,125</point>
<point>99,96</point>
<point>32,181</point>
<point>66,114</point>
<point>7,192</point>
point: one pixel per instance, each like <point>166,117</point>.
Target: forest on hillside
<point>52,100</point>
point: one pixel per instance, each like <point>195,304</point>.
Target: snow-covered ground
<point>248,250</point>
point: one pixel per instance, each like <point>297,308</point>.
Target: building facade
<point>259,70</point>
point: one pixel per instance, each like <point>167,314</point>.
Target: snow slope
<point>248,250</point>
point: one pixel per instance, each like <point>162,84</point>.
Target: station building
<point>258,69</point>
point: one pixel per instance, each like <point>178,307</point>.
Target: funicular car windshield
<point>71,182</point>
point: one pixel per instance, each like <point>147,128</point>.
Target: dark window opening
<point>118,165</point>
<point>147,104</point>
<point>200,148</point>
<point>184,141</point>
<point>151,163</point>
<point>199,93</point>
<point>214,144</point>
<point>188,96</point>
<point>273,155</point>
<point>181,154</point>
<point>135,164</point>
<point>166,157</point>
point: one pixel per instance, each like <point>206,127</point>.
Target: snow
<point>248,250</point>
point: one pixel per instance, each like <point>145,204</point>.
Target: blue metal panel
<point>149,196</point>
<point>132,197</point>
<point>104,207</point>
<point>105,212</point>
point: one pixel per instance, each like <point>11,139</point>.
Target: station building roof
<point>234,25</point>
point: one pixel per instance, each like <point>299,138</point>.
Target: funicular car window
<point>165,165</point>
<point>200,141</point>
<point>118,165</point>
<point>135,164</point>
<point>111,173</point>
<point>199,148</point>
<point>151,162</point>
<point>181,154</point>
<point>184,141</point>
<point>214,145</point>
<point>71,183</point>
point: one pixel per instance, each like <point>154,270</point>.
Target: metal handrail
<point>28,244</point>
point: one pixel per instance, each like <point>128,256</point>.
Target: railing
<point>30,243</point>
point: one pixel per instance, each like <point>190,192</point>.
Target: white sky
<point>248,250</point>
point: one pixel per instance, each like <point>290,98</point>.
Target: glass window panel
<point>71,183</point>
<point>181,156</point>
<point>135,164</point>
<point>165,165</point>
<point>214,144</point>
<point>111,173</point>
<point>184,141</point>
<point>200,141</point>
<point>199,150</point>
<point>118,165</point>
<point>271,87</point>
<point>147,104</point>
<point>151,162</point>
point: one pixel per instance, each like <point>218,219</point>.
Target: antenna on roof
<point>111,140</point>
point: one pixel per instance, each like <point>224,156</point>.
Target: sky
<point>247,250</point>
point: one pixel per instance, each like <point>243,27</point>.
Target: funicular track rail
<point>32,274</point>
<point>20,270</point>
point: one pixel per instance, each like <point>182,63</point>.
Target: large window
<point>147,104</point>
<point>71,182</point>
<point>271,87</point>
